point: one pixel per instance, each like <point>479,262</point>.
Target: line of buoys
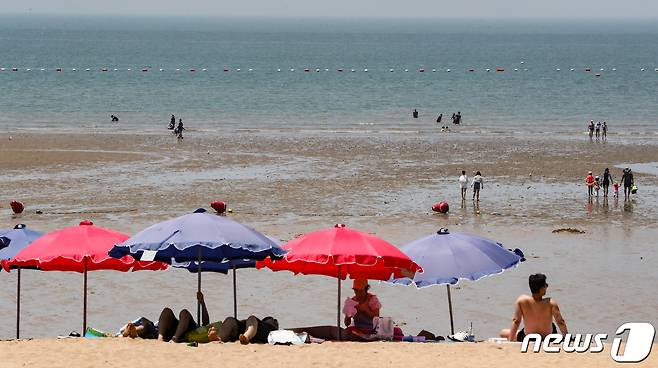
<point>305,69</point>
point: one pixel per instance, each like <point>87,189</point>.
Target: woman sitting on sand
<point>361,309</point>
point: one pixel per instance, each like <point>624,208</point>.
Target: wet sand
<point>384,184</point>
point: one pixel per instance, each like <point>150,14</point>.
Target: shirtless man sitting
<point>536,312</point>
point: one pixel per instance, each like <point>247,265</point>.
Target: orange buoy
<point>17,206</point>
<point>441,207</point>
<point>218,206</point>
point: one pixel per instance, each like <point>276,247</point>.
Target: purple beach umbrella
<point>14,240</point>
<point>448,257</point>
<point>200,239</point>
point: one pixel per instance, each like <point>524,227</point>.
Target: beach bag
<point>384,327</point>
<point>634,189</point>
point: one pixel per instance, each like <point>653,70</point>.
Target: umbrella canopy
<point>201,241</point>
<point>198,237</point>
<point>448,257</point>
<point>222,267</point>
<point>342,252</point>
<point>16,239</point>
<point>79,249</point>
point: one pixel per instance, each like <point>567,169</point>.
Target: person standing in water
<point>172,122</point>
<point>463,184</point>
<point>589,181</point>
<point>604,130</point>
<point>438,119</point>
<point>598,130</point>
<point>458,118</point>
<point>590,127</point>
<point>627,180</point>
<point>415,114</point>
<point>477,184</point>
<point>179,129</point>
<point>607,180</point>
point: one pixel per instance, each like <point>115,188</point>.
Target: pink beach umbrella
<point>79,249</point>
<point>342,252</point>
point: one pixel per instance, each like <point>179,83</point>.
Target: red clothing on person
<point>589,180</point>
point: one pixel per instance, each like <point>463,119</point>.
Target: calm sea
<point>535,97</point>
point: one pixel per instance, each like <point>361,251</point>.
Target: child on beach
<point>463,184</point>
<point>589,181</point>
<point>477,184</point>
<point>597,186</point>
<point>615,186</point>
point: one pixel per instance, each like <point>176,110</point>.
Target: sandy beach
<point>140,353</point>
<point>284,186</point>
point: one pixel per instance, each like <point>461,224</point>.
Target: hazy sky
<point>346,8</point>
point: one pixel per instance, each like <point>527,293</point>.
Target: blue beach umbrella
<point>448,257</point>
<point>13,241</point>
<point>198,238</point>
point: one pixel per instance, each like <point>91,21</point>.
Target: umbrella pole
<point>18,305</point>
<point>452,325</point>
<point>338,306</point>
<point>235,296</point>
<point>198,304</point>
<point>84,301</point>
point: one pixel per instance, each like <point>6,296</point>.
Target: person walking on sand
<point>463,184</point>
<point>627,180</point>
<point>536,312</point>
<point>589,181</point>
<point>477,184</point>
<point>607,180</point>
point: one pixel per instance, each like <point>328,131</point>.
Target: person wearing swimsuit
<point>536,312</point>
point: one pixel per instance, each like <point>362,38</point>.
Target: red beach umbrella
<point>79,249</point>
<point>342,252</point>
